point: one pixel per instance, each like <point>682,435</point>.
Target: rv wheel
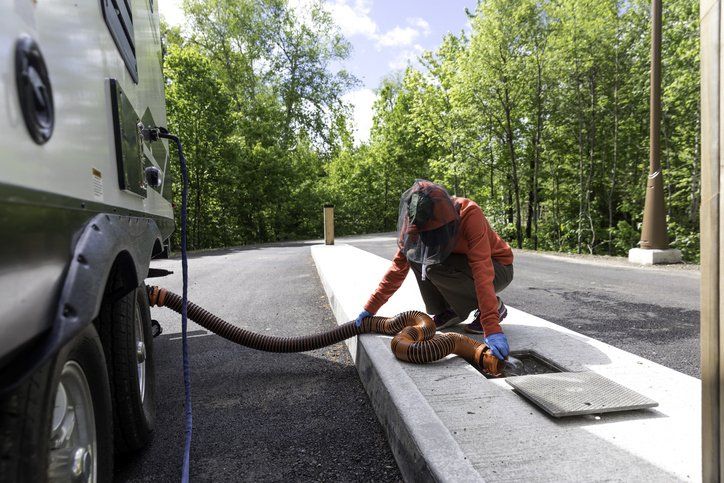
<point>125,328</point>
<point>56,425</point>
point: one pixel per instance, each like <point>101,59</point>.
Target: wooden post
<point>329,224</point>
<point>711,207</point>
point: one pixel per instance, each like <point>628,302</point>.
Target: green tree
<point>539,113</point>
<point>196,100</point>
<point>252,84</point>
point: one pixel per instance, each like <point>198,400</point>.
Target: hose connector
<point>156,296</point>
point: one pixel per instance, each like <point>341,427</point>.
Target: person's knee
<point>510,273</point>
<point>503,277</point>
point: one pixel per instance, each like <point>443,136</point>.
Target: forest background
<point>540,113</point>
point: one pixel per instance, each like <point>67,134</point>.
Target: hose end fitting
<point>156,295</point>
<point>488,362</point>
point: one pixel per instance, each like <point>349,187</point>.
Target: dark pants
<point>450,284</point>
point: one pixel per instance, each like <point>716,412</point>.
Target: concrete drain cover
<point>575,393</point>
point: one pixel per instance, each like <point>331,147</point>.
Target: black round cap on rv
<point>34,91</point>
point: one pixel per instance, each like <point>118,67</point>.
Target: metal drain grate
<point>575,393</point>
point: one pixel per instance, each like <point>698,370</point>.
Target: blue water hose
<point>188,415</point>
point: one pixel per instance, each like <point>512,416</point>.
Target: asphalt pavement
<point>259,416</point>
<point>306,417</point>
<point>650,311</point>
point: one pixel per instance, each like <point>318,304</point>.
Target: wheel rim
<point>140,352</point>
<point>73,446</point>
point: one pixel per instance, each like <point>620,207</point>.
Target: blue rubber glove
<point>362,315</point>
<point>498,343</point>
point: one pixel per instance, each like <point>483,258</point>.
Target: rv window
<point>119,19</point>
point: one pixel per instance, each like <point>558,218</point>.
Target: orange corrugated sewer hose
<point>414,334</point>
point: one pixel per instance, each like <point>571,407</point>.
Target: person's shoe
<point>475,327</point>
<point>502,310</point>
<point>446,318</point>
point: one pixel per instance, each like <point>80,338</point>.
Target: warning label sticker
<point>97,184</point>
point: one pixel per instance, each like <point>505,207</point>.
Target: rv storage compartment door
<point>128,142</point>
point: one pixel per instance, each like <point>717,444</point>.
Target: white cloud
<point>398,37</point>
<point>406,57</point>
<point>353,19</point>
<point>171,12</point>
<point>420,23</point>
<point>352,16</point>
<point>362,101</point>
<point>404,36</point>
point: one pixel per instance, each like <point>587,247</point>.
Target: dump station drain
<point>525,363</point>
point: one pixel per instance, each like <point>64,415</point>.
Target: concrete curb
<point>422,445</point>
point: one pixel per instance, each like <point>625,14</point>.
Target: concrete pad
<point>447,422</point>
<point>653,256</point>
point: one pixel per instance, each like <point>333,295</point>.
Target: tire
<point>30,417</point>
<point>166,252</point>
<point>124,323</point>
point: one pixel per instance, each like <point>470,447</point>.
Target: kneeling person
<point>460,263</point>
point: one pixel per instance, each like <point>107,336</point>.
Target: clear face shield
<point>428,222</point>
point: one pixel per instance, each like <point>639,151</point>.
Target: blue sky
<point>385,37</point>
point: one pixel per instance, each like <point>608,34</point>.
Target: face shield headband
<point>428,223</point>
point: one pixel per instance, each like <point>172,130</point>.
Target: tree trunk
<point>591,161</point>
<point>667,164</point>
<point>556,214</point>
<point>197,211</point>
<point>614,161</point>
<point>509,201</point>
<point>537,149</point>
<point>514,167</point>
<point>386,219</point>
<point>492,172</point>
<point>694,194</point>
<point>529,203</point>
<point>579,233</point>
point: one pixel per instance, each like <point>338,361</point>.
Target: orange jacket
<point>481,244</point>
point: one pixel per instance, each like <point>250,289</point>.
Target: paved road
<point>260,416</point>
<point>652,312</point>
<point>279,417</point>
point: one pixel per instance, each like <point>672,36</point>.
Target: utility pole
<point>654,244</point>
<point>653,232</point>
